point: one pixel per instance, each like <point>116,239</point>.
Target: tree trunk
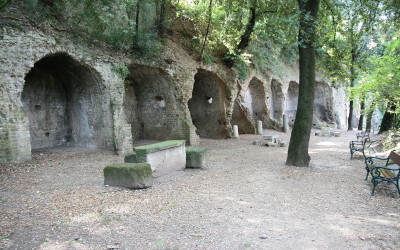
<point>352,72</point>
<point>361,121</point>
<point>161,17</point>
<point>208,30</point>
<point>300,138</point>
<point>388,118</point>
<point>245,38</point>
<point>368,124</point>
<point>350,119</point>
<point>137,18</point>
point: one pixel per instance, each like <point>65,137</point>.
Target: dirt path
<point>58,201</point>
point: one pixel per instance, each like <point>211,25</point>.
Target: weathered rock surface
<point>128,175</point>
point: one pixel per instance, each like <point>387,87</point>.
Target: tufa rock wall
<point>59,92</point>
<point>56,94</point>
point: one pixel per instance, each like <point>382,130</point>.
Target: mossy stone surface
<point>128,175</point>
<point>158,146</point>
<point>196,157</point>
<point>131,157</point>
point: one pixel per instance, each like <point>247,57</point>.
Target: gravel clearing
<point>245,199</point>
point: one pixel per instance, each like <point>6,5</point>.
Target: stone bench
<point>128,175</point>
<point>163,157</point>
<point>196,157</point>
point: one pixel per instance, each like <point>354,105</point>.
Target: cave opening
<point>150,104</point>
<point>208,104</point>
<point>66,105</point>
<point>292,98</point>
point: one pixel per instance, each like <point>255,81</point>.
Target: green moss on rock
<point>158,146</point>
<point>129,175</point>
<point>131,157</point>
<point>196,157</point>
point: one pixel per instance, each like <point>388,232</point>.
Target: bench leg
<point>398,188</point>
<point>374,183</point>
<point>367,168</point>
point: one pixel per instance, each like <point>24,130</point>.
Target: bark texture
<point>388,118</point>
<point>361,121</point>
<point>300,137</point>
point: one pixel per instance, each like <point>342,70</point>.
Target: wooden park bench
<point>389,173</point>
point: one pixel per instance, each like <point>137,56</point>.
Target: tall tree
<point>361,120</point>
<point>300,138</point>
<point>207,30</point>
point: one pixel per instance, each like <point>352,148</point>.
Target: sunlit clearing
<point>326,143</point>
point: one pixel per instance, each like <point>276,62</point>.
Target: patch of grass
<point>95,215</point>
<point>160,242</point>
<point>6,236</point>
<point>247,245</point>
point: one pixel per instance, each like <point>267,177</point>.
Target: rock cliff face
<point>57,92</point>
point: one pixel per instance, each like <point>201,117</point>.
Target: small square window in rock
<point>38,107</point>
<point>47,134</point>
<point>160,102</point>
<point>209,99</point>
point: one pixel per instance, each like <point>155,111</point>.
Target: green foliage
<point>274,30</point>
<point>122,71</point>
<point>112,22</point>
<point>146,45</point>
<point>380,81</point>
<point>11,23</point>
<point>208,58</point>
<point>391,140</point>
<point>241,63</point>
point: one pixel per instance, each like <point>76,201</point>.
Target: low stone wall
<point>164,157</point>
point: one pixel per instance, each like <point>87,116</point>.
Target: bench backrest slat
<point>394,157</point>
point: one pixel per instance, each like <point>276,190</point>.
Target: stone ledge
<point>128,175</point>
<point>151,148</point>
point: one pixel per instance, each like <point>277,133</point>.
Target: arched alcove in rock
<point>277,100</point>
<point>150,104</point>
<point>255,101</point>
<point>208,105</point>
<point>323,103</point>
<point>66,104</point>
<point>242,117</point>
<point>292,97</point>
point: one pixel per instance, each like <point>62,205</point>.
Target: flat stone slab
<point>163,157</point>
<point>196,157</point>
<point>128,175</point>
<point>270,138</point>
<point>326,132</point>
<point>257,142</point>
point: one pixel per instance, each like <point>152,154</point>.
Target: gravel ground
<point>245,199</point>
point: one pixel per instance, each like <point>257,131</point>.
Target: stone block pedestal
<point>196,157</point>
<point>128,175</point>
